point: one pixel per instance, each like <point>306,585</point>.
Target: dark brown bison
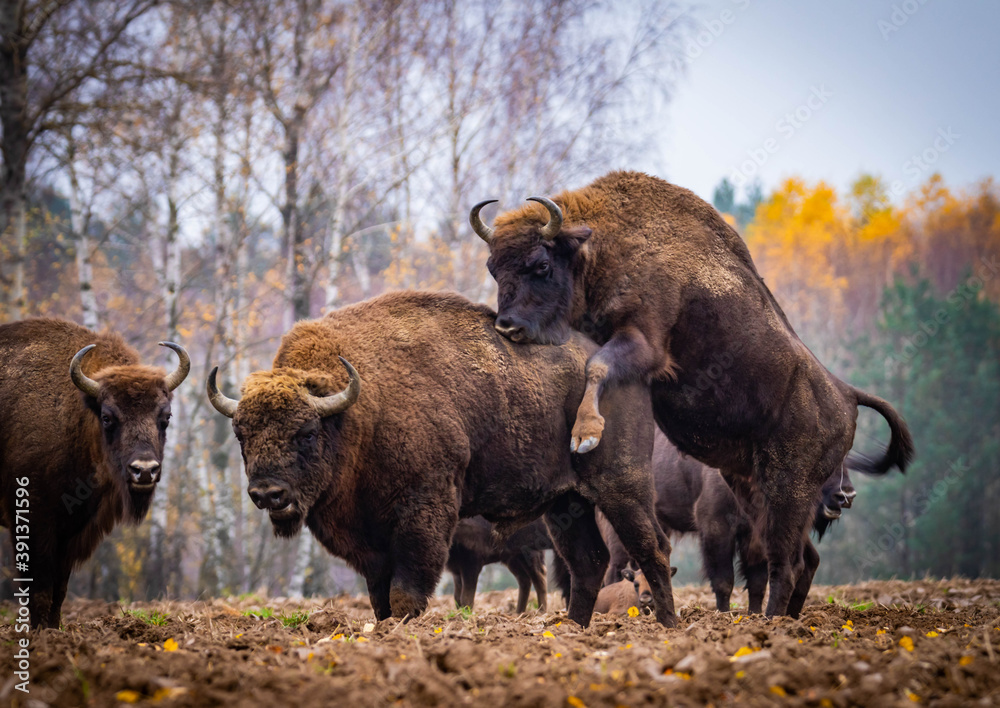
<point>83,424</point>
<point>475,545</point>
<point>655,276</point>
<point>451,421</point>
<point>692,497</point>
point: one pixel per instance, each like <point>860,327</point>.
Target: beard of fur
<point>287,528</point>
<point>137,506</point>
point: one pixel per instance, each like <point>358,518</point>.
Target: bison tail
<point>900,450</point>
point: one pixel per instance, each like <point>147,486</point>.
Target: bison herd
<point>638,380</point>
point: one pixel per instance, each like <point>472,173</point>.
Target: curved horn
<point>551,229</point>
<point>339,402</point>
<point>482,230</point>
<point>183,366</point>
<point>80,379</point>
<point>222,403</point>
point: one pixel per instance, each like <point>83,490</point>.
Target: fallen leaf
<point>778,691</point>
<point>128,696</point>
<point>170,645</point>
<point>633,611</point>
<point>548,635</point>
<point>932,634</point>
<point>906,643</point>
<point>575,702</point>
<point>742,651</point>
<point>965,660</point>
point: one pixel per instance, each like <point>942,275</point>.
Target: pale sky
<point>925,84</point>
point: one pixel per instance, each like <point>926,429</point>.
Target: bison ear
<point>628,574</point>
<point>572,238</point>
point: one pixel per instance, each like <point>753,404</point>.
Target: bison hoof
<point>586,445</point>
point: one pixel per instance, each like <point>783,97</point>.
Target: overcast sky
<point>828,90</point>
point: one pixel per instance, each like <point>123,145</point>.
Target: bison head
<point>132,406</point>
<point>288,426</point>
<point>534,261</point>
<point>837,493</point>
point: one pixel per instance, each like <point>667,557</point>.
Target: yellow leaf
<point>557,655</point>
<point>906,643</point>
<point>742,651</point>
<point>738,618</point>
<point>362,639</point>
<point>741,674</point>
<point>633,611</point>
<point>778,691</point>
<point>170,645</point>
<point>932,634</point>
<point>335,637</point>
<point>912,696</point>
<point>575,702</point>
<point>128,696</point>
<point>683,674</point>
<point>879,631</point>
<point>548,634</point>
<point>965,660</point>
<point>438,630</point>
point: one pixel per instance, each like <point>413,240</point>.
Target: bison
<point>692,497</point>
<point>475,545</point>
<point>382,423</point>
<point>667,288</point>
<point>82,426</point>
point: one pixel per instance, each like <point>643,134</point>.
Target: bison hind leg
<point>577,539</point>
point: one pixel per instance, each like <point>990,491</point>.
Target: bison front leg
<point>419,552</point>
<point>626,357</point>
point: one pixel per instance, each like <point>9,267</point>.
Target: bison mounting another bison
<point>442,418</point>
<point>85,423</point>
<point>666,287</point>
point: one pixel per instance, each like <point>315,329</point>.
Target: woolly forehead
<point>280,398</point>
<point>133,385</point>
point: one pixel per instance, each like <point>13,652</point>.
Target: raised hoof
<point>586,434</point>
<point>586,445</point>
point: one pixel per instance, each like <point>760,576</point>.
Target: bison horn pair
<point>324,405</point>
<point>549,231</point>
<point>91,387</point>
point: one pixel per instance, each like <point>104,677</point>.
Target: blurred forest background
<point>210,172</point>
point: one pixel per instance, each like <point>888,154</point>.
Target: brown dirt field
<point>875,643</point>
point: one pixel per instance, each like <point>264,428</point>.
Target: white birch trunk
<point>78,226</point>
<point>296,584</point>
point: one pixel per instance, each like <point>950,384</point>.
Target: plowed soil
<point>875,643</point>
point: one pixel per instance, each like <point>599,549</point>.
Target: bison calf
<point>443,418</point>
<point>476,544</point>
<point>85,424</point>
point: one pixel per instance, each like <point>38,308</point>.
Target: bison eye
<point>164,422</point>
<point>542,268</point>
<point>107,420</point>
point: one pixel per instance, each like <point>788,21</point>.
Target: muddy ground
<point>876,643</point>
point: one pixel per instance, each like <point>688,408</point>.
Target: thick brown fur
<point>52,434</point>
<point>658,278</point>
<point>452,421</point>
<point>476,544</point>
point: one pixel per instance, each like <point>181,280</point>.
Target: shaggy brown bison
<point>692,497</point>
<point>451,420</point>
<point>475,545</point>
<point>83,424</point>
<point>667,288</point>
